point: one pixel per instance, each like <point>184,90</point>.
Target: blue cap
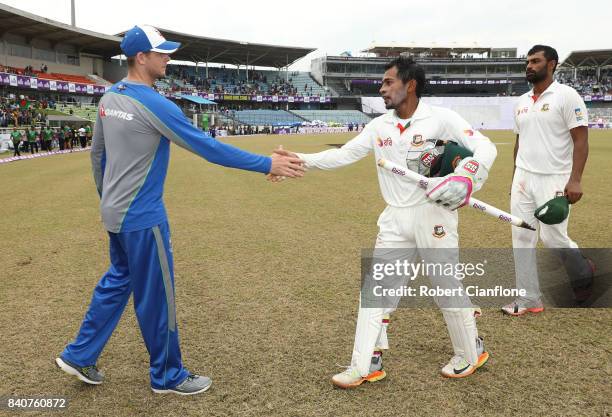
<point>145,38</point>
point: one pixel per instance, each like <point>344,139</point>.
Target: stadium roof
<point>194,48</point>
<point>396,49</point>
<point>197,99</point>
<point>36,27</point>
<point>223,51</point>
<point>594,58</point>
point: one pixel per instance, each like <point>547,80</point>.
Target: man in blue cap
<point>130,154</point>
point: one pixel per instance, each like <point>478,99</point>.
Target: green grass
<point>53,112</point>
<point>267,281</point>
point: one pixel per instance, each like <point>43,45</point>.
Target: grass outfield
<point>267,281</point>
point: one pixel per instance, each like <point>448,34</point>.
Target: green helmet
<point>451,157</point>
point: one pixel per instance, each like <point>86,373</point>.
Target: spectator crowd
<point>23,110</point>
<point>46,139</point>
<point>586,81</point>
<point>28,71</point>
<point>223,81</point>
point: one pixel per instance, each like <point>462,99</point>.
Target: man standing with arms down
<point>31,137</point>
<point>130,154</point>
<point>413,220</point>
<point>16,138</point>
<point>88,134</point>
<point>82,136</point>
<point>47,137</point>
<point>68,137</point>
<point>550,154</point>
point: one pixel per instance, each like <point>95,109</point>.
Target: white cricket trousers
<point>427,226</point>
<point>530,191</point>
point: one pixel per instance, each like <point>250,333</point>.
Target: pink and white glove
<point>454,190</point>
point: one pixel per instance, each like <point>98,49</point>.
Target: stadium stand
<point>589,72</point>
<point>226,119</point>
<point>469,71</point>
<point>29,71</point>
<point>588,84</point>
<point>269,94</point>
<point>266,117</point>
<point>333,116</point>
<point>22,111</point>
<point>162,85</point>
<point>339,88</point>
<point>221,80</point>
<point>306,85</point>
<point>98,80</point>
<point>84,111</point>
<point>63,77</point>
<point>600,115</point>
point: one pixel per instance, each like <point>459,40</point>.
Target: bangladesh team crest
<point>417,140</point>
<point>438,231</point>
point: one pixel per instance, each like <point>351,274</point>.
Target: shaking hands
<point>285,164</point>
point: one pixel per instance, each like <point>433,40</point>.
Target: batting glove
<point>454,190</point>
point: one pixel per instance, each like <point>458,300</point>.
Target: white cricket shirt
<point>382,135</point>
<point>543,126</point>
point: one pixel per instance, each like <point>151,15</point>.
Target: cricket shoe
<point>517,308</point>
<point>458,367</point>
<point>193,384</point>
<point>351,378</point>
<point>88,374</point>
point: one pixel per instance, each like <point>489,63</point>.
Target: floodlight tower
<point>72,17</point>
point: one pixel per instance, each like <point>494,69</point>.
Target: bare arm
<point>352,151</point>
<point>516,146</point>
<point>573,189</point>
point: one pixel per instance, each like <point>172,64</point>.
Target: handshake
<point>285,164</point>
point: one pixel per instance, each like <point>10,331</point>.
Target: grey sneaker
<point>194,384</point>
<point>88,374</point>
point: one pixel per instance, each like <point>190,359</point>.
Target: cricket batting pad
<point>461,326</point>
<point>382,343</point>
<point>369,325</point>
